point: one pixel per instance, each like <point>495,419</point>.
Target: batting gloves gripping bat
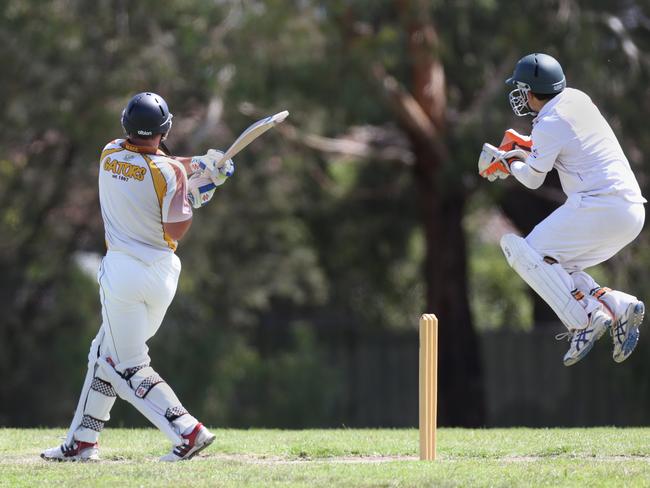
<point>209,172</point>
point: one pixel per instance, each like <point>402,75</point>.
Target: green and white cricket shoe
<point>582,340</point>
<point>194,442</point>
<point>625,333</point>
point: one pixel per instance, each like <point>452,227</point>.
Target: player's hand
<point>212,165</point>
<point>494,163</point>
<point>514,140</point>
<point>491,165</point>
<point>200,189</point>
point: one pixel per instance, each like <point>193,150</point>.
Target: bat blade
<point>253,131</point>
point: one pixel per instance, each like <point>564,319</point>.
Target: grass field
<point>491,457</point>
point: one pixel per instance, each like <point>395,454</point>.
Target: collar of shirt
<point>141,149</point>
<point>548,106</point>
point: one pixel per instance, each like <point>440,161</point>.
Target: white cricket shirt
<point>139,189</point>
<point>570,135</point>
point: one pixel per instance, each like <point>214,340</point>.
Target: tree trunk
<point>442,205</point>
<point>460,383</point>
<point>421,113</point>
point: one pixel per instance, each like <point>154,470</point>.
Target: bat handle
<point>220,157</point>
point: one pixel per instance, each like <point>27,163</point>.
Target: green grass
<point>329,458</point>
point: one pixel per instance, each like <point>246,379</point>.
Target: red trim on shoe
<point>187,449</point>
<point>608,310</point>
<point>191,437</point>
<point>77,447</point>
<point>81,445</point>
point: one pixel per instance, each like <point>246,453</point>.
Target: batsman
<point>147,202</point>
<point>604,210</point>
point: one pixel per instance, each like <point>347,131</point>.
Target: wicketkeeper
<point>602,214</point>
<point>146,201</point>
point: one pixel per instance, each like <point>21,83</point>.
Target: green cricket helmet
<point>537,73</point>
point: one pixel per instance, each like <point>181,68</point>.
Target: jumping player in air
<point>602,214</point>
<point>146,201</point>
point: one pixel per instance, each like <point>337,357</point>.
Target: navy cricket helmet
<point>146,114</point>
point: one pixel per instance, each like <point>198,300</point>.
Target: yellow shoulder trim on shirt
<point>160,186</point>
<point>106,152</point>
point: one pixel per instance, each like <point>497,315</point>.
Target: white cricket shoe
<point>582,340</point>
<point>195,441</point>
<point>78,451</point>
<point>625,333</point>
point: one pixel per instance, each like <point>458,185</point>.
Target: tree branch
<point>360,142</point>
<point>494,85</point>
<point>410,114</point>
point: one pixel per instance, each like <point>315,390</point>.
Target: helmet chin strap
<point>164,148</point>
<point>162,144</point>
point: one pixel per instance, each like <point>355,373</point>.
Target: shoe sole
<point>585,350</point>
<point>635,319</point>
<point>71,459</point>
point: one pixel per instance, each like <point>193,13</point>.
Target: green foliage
<point>240,385</point>
<point>293,386</point>
<point>499,298</point>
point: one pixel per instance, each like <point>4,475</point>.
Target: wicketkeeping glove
<point>495,164</point>
<point>514,140</point>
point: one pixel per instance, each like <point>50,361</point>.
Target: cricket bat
<point>251,133</point>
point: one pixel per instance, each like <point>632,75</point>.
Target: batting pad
<point>99,401</point>
<point>154,413</point>
<point>550,281</point>
<point>149,386</point>
<point>78,418</point>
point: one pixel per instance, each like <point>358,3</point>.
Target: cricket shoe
<point>78,451</point>
<point>194,442</point>
<point>582,340</point>
<point>625,333</point>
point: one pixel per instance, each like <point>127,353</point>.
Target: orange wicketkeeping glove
<point>514,140</point>
<point>494,163</point>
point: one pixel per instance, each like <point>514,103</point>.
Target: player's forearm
<point>177,230</point>
<point>526,175</point>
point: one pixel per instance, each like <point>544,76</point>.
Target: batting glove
<point>212,164</point>
<point>200,190</point>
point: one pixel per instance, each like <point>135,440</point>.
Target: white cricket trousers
<point>135,297</point>
<point>587,230</point>
<point>584,232</point>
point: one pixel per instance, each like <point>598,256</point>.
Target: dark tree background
<point>358,214</point>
